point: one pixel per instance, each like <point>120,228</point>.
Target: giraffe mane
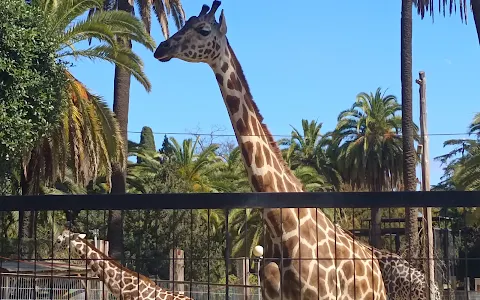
<point>271,141</point>
<point>116,264</point>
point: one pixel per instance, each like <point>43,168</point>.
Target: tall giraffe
<point>307,256</point>
<point>123,283</point>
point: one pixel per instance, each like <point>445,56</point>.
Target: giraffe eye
<point>203,31</point>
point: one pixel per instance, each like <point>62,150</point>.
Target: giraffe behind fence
<point>306,256</point>
<point>122,282</point>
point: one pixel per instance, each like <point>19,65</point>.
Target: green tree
<point>424,6</point>
<point>32,83</point>
<point>411,222</point>
<point>65,22</point>
<point>147,140</point>
<point>228,174</point>
<point>121,92</point>
<point>462,164</point>
<point>167,148</point>
<point>154,175</point>
<point>193,166</point>
<point>310,149</point>
<point>369,147</point>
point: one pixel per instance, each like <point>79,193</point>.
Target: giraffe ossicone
<point>306,255</point>
<point>121,282</point>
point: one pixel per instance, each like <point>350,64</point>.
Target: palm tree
<point>369,147</point>
<point>429,6</point>
<point>121,93</point>
<point>87,137</point>
<point>192,166</point>
<point>411,225</point>
<point>228,175</point>
<point>462,173</point>
<point>409,175</point>
<point>308,151</point>
<point>104,26</point>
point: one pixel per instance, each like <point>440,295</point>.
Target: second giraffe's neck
<point>120,281</point>
<point>267,171</point>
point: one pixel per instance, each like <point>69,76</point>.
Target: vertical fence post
<point>243,274</point>
<point>427,211</point>
<point>177,270</point>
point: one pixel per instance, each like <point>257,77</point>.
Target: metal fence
<point>24,287</point>
<point>215,230</point>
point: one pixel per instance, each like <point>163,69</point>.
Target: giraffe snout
<point>162,51</point>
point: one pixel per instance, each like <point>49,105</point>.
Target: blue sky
<point>308,62</point>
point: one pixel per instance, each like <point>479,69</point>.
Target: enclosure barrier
<point>210,246</point>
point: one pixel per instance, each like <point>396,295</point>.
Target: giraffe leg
<point>271,288</point>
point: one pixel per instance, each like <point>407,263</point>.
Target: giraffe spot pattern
<point>224,67</point>
<point>235,84</point>
<point>233,103</point>
<point>259,161</point>
<point>247,149</point>
<point>242,128</point>
<point>219,78</point>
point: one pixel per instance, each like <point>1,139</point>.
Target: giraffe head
<point>201,39</point>
<point>63,240</point>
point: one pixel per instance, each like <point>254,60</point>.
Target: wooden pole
<point>427,211</point>
<point>177,270</point>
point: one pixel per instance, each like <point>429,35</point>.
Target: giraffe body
<point>122,282</point>
<point>306,256</point>
<point>402,281</point>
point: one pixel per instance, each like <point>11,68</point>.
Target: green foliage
<point>147,139</point>
<point>108,27</point>
<point>367,142</point>
<point>308,156</point>
<point>167,147</point>
<point>461,165</point>
<point>32,81</point>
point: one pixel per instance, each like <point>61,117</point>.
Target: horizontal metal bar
<point>241,200</point>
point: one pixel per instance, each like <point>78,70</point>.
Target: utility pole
<point>427,211</point>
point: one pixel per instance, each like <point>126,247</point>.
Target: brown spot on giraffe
<point>224,67</point>
<point>256,131</point>
<point>219,78</point>
<point>237,85</point>
<point>247,151</point>
<point>110,273</point>
<point>233,103</point>
<point>259,160</point>
<point>242,128</point>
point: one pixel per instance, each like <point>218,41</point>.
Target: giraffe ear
<point>223,23</point>
<point>81,235</point>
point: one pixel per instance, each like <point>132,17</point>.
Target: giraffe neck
<point>120,281</point>
<point>266,169</point>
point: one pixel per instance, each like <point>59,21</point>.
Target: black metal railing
<point>202,244</point>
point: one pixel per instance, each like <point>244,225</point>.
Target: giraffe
<point>122,283</point>
<point>306,256</point>
<point>402,281</point>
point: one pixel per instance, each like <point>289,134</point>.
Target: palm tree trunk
<point>121,100</point>
<point>375,233</point>
<point>476,15</point>
<point>409,155</point>
<point>30,185</point>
